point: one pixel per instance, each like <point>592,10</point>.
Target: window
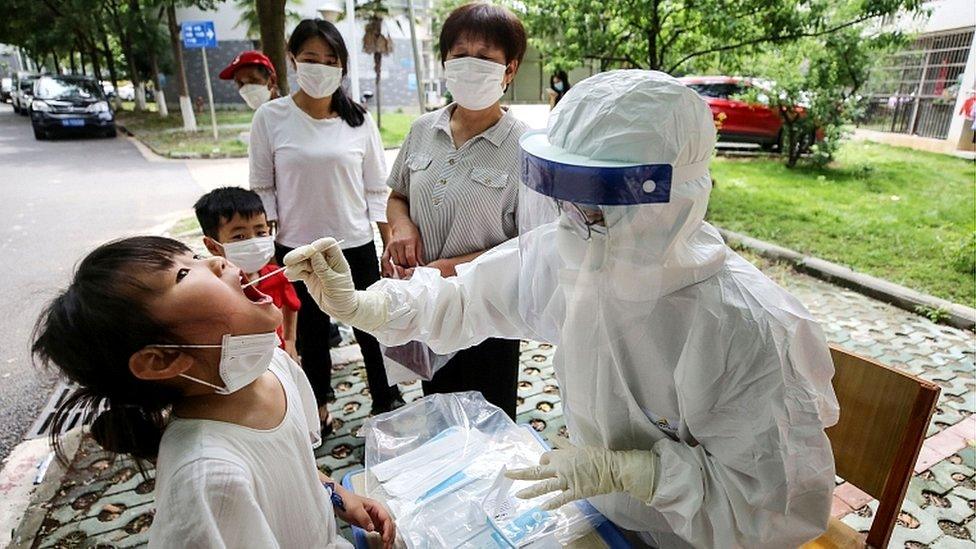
<point>718,90</point>
<point>65,89</point>
<point>914,90</point>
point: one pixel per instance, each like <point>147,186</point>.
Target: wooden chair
<point>884,415</point>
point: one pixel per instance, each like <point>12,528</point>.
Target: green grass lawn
<point>895,213</point>
<point>165,136</point>
<point>395,127</point>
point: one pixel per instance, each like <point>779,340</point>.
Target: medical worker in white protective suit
<point>696,390</point>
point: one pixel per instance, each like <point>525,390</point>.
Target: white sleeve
<point>260,156</point>
<point>762,474</point>
<point>374,173</point>
<point>455,313</point>
<point>209,503</point>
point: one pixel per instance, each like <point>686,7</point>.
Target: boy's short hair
<point>219,206</point>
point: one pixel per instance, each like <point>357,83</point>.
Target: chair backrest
<point>884,415</point>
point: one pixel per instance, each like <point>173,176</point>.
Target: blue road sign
<point>199,34</point>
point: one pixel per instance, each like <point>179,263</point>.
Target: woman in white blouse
<point>317,162</point>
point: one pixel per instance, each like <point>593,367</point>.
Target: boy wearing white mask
<point>235,227</point>
<point>255,77</point>
<point>316,161</point>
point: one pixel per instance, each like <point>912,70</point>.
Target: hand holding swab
<point>280,269</point>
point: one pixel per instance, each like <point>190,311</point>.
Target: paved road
<point>59,199</point>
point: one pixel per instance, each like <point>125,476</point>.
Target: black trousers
<point>491,367</point>
<point>313,333</point>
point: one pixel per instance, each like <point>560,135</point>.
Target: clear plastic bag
<point>438,464</point>
<point>412,361</point>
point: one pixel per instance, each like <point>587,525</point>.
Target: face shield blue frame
<point>600,185</point>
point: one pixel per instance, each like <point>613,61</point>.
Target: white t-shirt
<point>224,485</point>
<point>317,177</point>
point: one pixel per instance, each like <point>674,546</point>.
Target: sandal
<point>327,425</point>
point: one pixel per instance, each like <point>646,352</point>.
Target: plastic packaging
<point>412,361</point>
<point>438,464</point>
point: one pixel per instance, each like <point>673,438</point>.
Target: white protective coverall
<point>668,341</point>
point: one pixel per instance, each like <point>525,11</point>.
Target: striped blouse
<point>462,200</point>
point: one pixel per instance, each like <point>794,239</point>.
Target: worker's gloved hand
<point>325,272</point>
<point>578,473</point>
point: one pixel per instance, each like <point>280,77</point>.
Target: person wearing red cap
<point>255,77</point>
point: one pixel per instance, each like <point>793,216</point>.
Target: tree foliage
<point>251,22</point>
<point>128,38</point>
<point>671,35</point>
<point>378,42</point>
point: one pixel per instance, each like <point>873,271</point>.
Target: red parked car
<point>738,121</point>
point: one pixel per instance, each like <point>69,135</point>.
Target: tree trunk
<point>377,66</point>
<point>653,63</point>
<point>177,47</point>
<point>160,95</point>
<point>57,62</point>
<point>109,59</point>
<point>71,62</point>
<point>125,37</point>
<point>271,17</point>
<point>81,60</point>
<point>792,147</point>
<point>133,73</point>
<point>96,68</point>
<point>186,106</point>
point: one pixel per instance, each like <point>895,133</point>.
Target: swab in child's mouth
<point>280,269</point>
<point>253,294</point>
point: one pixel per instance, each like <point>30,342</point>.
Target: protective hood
<point>636,145</point>
<point>666,340</point>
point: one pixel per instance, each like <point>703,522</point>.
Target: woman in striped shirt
<point>455,183</point>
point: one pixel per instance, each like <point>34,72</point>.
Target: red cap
<point>245,59</point>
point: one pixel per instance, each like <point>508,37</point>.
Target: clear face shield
<point>577,190</point>
<point>574,214</point>
<point>580,187</point>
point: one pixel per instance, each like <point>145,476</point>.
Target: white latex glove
<point>325,272</point>
<point>578,473</point>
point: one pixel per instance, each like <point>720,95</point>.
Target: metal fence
<point>914,90</point>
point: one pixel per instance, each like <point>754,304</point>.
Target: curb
<point>174,155</point>
<point>957,315</point>
<point>31,499</point>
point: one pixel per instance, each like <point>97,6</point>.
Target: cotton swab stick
<point>280,269</point>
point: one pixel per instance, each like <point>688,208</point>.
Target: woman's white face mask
<point>318,80</point>
<point>255,95</point>
<point>475,84</point>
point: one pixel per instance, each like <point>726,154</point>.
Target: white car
<point>127,92</point>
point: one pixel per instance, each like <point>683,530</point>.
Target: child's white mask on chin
<point>251,254</point>
<point>243,358</point>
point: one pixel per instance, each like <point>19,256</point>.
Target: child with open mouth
<point>186,360</point>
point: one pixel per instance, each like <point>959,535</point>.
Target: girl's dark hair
<point>350,111</point>
<point>563,77</point>
<point>90,331</point>
<point>494,24</point>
